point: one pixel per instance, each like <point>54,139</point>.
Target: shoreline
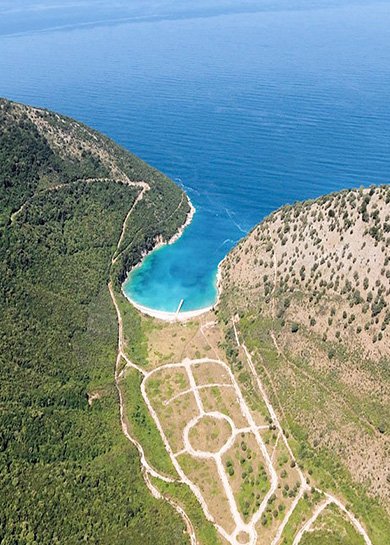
<point>166,315</point>
<point>160,243</point>
<point>169,316</point>
<point>181,230</point>
<point>218,281</point>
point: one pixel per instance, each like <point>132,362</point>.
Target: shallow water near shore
<point>175,272</point>
<point>246,111</point>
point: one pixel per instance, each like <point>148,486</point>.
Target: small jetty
<point>179,307</point>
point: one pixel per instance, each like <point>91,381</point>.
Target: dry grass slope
<point>312,286</point>
<point>334,254</point>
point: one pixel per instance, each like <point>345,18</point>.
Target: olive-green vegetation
<point>204,529</point>
<point>67,473</point>
<point>332,528</point>
<point>142,425</point>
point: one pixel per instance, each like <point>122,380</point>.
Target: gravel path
<point>148,471</point>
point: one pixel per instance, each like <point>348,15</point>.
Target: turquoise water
<point>176,272</point>
<point>248,111</point>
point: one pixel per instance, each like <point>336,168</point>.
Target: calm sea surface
<point>247,111</point>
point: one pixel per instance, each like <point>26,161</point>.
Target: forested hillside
<point>67,473</point>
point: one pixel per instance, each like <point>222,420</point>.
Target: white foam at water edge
<point>169,316</point>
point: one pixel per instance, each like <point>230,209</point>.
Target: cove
<point>180,271</point>
<point>247,112</point>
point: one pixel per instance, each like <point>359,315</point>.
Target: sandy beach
<point>169,316</point>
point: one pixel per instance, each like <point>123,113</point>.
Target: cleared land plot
<point>209,434</point>
<point>212,373</point>
<point>165,383</point>
<point>247,472</point>
<point>205,474</point>
<point>208,428</point>
<point>174,417</point>
<point>169,342</point>
<point>223,399</point>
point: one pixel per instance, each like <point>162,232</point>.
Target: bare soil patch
<point>209,434</point>
<point>225,400</point>
<point>204,474</point>
<point>210,373</point>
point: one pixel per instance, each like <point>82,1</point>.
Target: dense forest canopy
<point>67,473</point>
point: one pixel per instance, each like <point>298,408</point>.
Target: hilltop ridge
<point>332,254</point>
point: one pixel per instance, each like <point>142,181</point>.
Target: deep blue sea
<point>248,108</point>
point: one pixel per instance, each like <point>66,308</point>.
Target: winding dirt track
<point>148,471</point>
<point>58,187</point>
<point>330,498</point>
<point>144,188</point>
